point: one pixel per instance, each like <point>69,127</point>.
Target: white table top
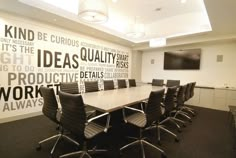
<point>111,100</point>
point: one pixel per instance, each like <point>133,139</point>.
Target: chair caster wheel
<point>184,125</point>
<point>176,139</point>
<point>179,130</point>
<point>38,147</point>
<point>163,155</point>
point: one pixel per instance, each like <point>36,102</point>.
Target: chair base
<point>183,114</point>
<point>166,130</point>
<point>58,136</point>
<point>190,110</point>
<point>173,120</point>
<point>142,142</point>
<point>84,153</point>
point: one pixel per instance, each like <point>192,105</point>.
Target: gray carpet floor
<point>210,135</point>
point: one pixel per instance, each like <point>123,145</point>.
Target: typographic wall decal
<point>33,54</point>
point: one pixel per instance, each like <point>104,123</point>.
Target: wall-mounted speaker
<point>152,61</point>
<point>219,58</point>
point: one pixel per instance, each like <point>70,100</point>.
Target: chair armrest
<point>99,116</point>
<point>59,110</point>
<point>134,109</point>
<point>58,114</point>
<point>162,105</point>
<point>90,113</point>
<point>143,104</point>
<point>129,108</point>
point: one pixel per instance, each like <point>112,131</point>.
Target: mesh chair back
<point>121,84</point>
<point>181,95</point>
<point>91,86</point>
<point>192,89</point>
<point>157,82</point>
<point>188,91</point>
<point>69,87</point>
<point>50,105</point>
<point>108,84</point>
<point>171,83</point>
<point>73,116</point>
<point>132,83</point>
<point>169,100</point>
<point>153,109</point>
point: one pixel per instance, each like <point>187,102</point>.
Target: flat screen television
<point>188,59</point>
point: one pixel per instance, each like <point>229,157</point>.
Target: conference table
<point>112,100</point>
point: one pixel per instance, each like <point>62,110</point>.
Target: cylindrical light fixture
<point>94,11</point>
<point>135,30</point>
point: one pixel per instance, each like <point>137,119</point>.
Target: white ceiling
<point>173,20</point>
<point>191,16</point>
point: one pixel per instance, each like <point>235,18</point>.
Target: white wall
<point>21,48</point>
<point>211,73</point>
<point>136,65</point>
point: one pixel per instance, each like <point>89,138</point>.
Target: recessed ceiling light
<point>114,1</point>
<point>183,1</point>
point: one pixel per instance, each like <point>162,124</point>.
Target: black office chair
<point>91,86</point>
<point>69,87</point>
<point>157,82</point>
<point>145,120</point>
<point>172,83</point>
<point>74,120</point>
<point>188,93</point>
<point>169,107</point>
<point>180,99</point>
<point>108,84</point>
<point>121,84</point>
<point>132,83</point>
<point>51,111</point>
<point>192,89</point>
<point>191,95</point>
<point>73,88</point>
